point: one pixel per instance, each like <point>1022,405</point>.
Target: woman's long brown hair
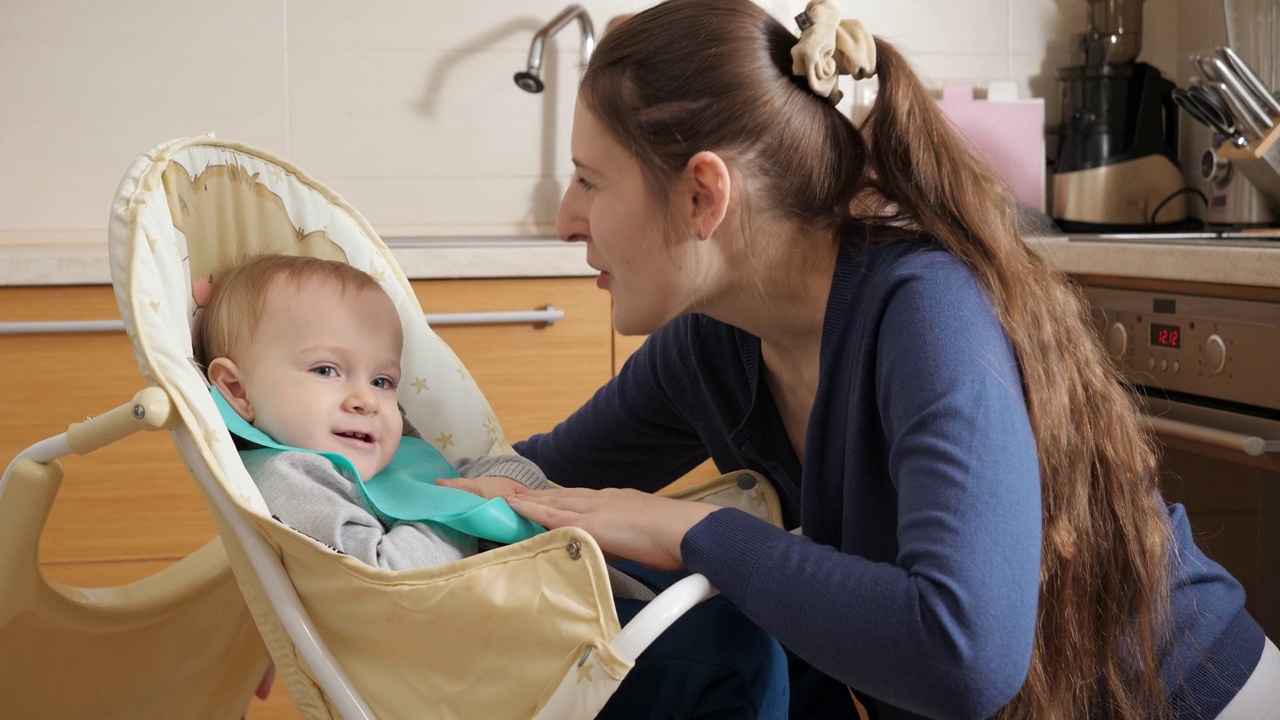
<point>693,75</point>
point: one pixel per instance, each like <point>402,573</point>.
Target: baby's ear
<point>202,290</point>
<point>224,374</point>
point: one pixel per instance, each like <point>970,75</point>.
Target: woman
<point>852,312</point>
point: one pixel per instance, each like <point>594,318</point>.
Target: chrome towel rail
<point>546,316</point>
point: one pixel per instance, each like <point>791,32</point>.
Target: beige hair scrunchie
<point>829,47</point>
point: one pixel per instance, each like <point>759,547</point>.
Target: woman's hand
<point>627,524</point>
<point>487,487</point>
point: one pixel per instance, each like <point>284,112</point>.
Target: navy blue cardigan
<point>916,578</point>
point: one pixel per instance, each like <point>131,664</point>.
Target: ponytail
<point>1105,546</point>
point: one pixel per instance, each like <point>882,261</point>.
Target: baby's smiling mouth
<point>357,436</point>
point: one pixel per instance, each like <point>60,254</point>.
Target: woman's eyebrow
<point>583,166</point>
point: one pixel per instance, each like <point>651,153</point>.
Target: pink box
<point>1008,134</point>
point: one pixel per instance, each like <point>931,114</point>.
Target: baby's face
<point>321,372</point>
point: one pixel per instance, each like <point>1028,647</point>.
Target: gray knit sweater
<point>307,493</point>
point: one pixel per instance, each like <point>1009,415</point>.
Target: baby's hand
<point>487,487</point>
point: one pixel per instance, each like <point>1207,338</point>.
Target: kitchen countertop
<point>419,258</point>
<point>1243,260</point>
<point>1249,260</point>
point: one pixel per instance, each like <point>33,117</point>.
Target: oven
<point>1205,360</point>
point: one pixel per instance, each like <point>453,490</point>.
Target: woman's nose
<point>571,220</point>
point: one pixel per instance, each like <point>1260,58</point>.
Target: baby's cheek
<point>394,443</point>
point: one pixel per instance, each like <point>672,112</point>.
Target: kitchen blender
<point>1117,164</point>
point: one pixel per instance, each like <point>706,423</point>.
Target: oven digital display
<point>1169,336</point>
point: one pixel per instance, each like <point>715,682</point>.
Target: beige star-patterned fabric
<point>219,202</point>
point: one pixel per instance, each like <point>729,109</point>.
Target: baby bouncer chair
<point>522,631</point>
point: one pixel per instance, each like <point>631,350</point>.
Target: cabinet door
<point>533,376</point>
<point>123,511</point>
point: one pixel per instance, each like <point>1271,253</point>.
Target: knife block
<point>1260,164</point>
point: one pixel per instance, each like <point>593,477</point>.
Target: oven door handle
<point>1247,444</point>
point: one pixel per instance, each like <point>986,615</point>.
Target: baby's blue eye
<point>325,371</point>
<point>384,383</point>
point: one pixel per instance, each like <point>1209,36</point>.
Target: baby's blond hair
<point>239,294</point>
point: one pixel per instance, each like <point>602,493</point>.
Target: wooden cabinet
<point>126,507</point>
<point>532,376</point>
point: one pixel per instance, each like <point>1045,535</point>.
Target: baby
<point>307,351</point>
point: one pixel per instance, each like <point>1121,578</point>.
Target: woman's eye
<point>384,383</point>
<point>325,371</point>
<point>584,184</point>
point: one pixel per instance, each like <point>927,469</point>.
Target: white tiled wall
<point>405,107</point>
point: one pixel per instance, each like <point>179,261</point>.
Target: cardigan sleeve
<point>946,628</point>
<point>629,434</point>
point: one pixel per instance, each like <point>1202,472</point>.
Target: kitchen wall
<point>406,108</point>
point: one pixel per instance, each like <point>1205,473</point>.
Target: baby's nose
<point>361,401</point>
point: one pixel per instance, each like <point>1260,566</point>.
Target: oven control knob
<point>1117,340</point>
<point>1215,354</point>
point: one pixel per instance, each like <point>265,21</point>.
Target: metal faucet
<point>530,80</point>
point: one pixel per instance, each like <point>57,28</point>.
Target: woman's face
<point>652,277</point>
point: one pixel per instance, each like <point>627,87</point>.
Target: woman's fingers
<point>561,493</point>
<point>487,487</point>
<point>544,511</point>
<point>587,509</point>
<point>625,523</point>
<point>551,509</point>
<point>575,500</point>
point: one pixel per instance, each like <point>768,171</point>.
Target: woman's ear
<point>707,185</point>
<point>224,374</point>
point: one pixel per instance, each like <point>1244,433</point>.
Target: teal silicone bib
<point>406,489</point>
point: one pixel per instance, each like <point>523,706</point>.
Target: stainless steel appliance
<point>1253,33</point>
<point>1244,155</point>
<point>1206,360</point>
<point>1253,30</point>
<point>1233,201</point>
<point>1117,162</point>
